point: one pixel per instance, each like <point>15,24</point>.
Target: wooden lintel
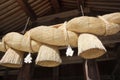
<point>78,59</point>
<point>27,9</point>
<point>111,39</point>
<point>61,15</point>
<point>55,5</point>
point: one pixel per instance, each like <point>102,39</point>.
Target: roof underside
<point>14,13</point>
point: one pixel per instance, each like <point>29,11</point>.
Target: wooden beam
<point>27,9</point>
<point>110,39</point>
<point>55,5</point>
<point>102,3</point>
<point>78,59</point>
<point>61,15</point>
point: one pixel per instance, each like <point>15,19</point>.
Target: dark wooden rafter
<point>55,5</point>
<point>111,6</point>
<point>27,9</point>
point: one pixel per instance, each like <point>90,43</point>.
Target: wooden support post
<point>56,73</point>
<point>93,72</point>
<point>26,71</point>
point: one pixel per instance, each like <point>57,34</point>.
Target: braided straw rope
<point>56,37</point>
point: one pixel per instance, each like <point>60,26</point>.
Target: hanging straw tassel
<point>12,58</point>
<point>48,56</point>
<point>89,46</point>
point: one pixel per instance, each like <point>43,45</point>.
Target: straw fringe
<point>48,56</point>
<point>89,46</point>
<point>12,58</point>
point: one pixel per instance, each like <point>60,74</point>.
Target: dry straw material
<point>12,58</point>
<point>87,24</point>
<point>13,40</point>
<point>52,36</point>
<point>19,42</point>
<point>29,45</point>
<point>110,28</point>
<point>90,47</point>
<point>112,17</point>
<point>48,56</point>
<point>3,46</point>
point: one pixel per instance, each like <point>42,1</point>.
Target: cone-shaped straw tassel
<point>89,46</point>
<point>48,56</point>
<point>12,58</point>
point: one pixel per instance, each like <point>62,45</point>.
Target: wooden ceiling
<point>14,13</point>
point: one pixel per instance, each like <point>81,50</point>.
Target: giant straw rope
<point>108,24</point>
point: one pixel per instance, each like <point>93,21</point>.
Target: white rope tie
<point>28,58</point>
<point>82,11</point>
<point>26,25</point>
<point>69,51</point>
